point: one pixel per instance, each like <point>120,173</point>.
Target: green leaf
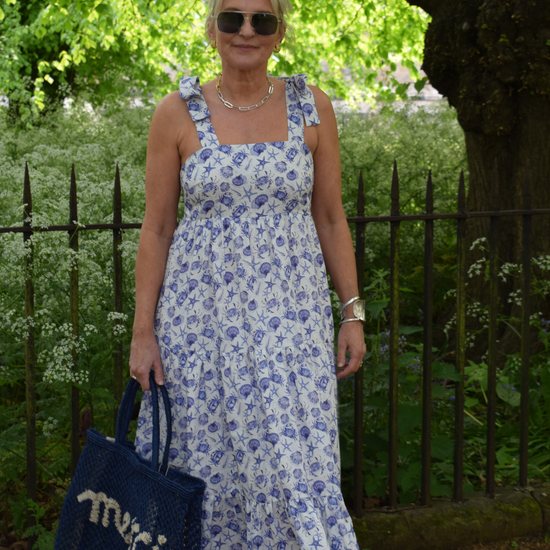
<point>2,15</point>
<point>419,84</point>
<point>508,394</point>
<point>377,402</point>
<point>439,392</point>
<point>442,447</point>
<point>410,417</point>
<point>445,370</point>
<point>409,330</point>
<point>375,307</point>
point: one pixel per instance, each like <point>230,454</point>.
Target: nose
<point>247,30</point>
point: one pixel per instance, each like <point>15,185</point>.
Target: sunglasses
<point>230,22</point>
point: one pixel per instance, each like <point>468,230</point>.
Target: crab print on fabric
<point>245,331</point>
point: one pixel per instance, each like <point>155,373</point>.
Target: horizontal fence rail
<point>361,221</point>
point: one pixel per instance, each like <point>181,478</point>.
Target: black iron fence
<point>361,221</point>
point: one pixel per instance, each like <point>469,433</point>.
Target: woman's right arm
<point>162,191</point>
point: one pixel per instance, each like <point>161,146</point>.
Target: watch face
<point>359,309</point>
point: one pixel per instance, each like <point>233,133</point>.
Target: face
<point>246,50</point>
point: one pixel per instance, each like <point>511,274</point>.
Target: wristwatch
<point>358,310</point>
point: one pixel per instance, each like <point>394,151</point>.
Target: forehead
<point>250,6</point>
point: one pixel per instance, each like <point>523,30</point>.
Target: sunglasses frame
<point>250,18</point>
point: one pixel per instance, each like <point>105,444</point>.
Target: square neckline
<point>288,140</point>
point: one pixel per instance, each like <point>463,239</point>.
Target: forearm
<point>150,267</point>
<point>337,247</point>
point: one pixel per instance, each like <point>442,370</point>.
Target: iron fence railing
<point>361,222</point>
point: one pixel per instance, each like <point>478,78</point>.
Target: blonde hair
<point>281,8</point>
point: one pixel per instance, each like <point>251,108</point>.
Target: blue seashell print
<point>205,154</point>
<point>226,149</point>
<point>265,269</point>
<point>207,206</point>
<point>245,390</point>
<point>258,149</point>
<point>226,171</point>
<point>303,315</point>
<point>304,433</point>
<point>281,166</point>
<point>260,200</point>
<point>239,181</point>
<point>273,324</point>
<point>232,332</point>
<point>253,445</point>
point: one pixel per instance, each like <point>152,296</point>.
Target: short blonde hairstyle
<point>281,8</point>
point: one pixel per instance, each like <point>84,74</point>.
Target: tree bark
<point>491,60</point>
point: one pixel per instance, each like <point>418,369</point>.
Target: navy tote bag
<point>119,501</point>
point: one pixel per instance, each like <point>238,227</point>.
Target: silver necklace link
<point>243,109</point>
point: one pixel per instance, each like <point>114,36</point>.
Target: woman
<point>232,305</point>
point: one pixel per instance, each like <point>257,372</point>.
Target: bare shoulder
<point>171,106</point>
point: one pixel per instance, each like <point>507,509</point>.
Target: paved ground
<point>538,542</point>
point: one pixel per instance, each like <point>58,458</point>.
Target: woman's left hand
<point>350,339</point>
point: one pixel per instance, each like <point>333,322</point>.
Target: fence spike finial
<point>117,198</point>
<point>395,191</point>
<point>27,197</point>
<point>73,205</point>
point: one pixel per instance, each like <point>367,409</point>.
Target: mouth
<point>245,47</point>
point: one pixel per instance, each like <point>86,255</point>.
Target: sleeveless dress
<point>245,332</point>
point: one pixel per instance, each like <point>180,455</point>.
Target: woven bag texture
<point>118,501</point>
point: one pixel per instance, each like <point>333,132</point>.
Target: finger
<point>159,375</point>
<point>342,348</point>
<point>354,363</point>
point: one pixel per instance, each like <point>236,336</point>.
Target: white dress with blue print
<point>245,331</point>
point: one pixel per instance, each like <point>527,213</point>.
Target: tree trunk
<point>491,60</point>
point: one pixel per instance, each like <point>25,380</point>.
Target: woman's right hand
<point>144,356</point>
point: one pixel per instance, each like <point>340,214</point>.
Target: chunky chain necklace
<point>231,106</point>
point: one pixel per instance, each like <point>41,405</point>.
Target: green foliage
<point>95,143</point>
<point>419,139</point>
<point>58,48</point>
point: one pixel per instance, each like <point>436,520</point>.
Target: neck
<point>243,87</point>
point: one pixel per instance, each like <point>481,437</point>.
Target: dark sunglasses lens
<point>264,23</point>
<point>229,22</point>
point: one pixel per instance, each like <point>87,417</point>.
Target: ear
<point>282,34</point>
<point>212,30</point>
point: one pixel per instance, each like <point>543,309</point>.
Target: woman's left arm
<point>334,236</point>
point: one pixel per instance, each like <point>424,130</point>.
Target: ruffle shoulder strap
<point>304,96</point>
<point>190,91</point>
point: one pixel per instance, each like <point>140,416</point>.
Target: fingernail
<point>160,382</point>
<point>340,365</point>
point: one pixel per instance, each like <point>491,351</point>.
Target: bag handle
<point>125,415</point>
